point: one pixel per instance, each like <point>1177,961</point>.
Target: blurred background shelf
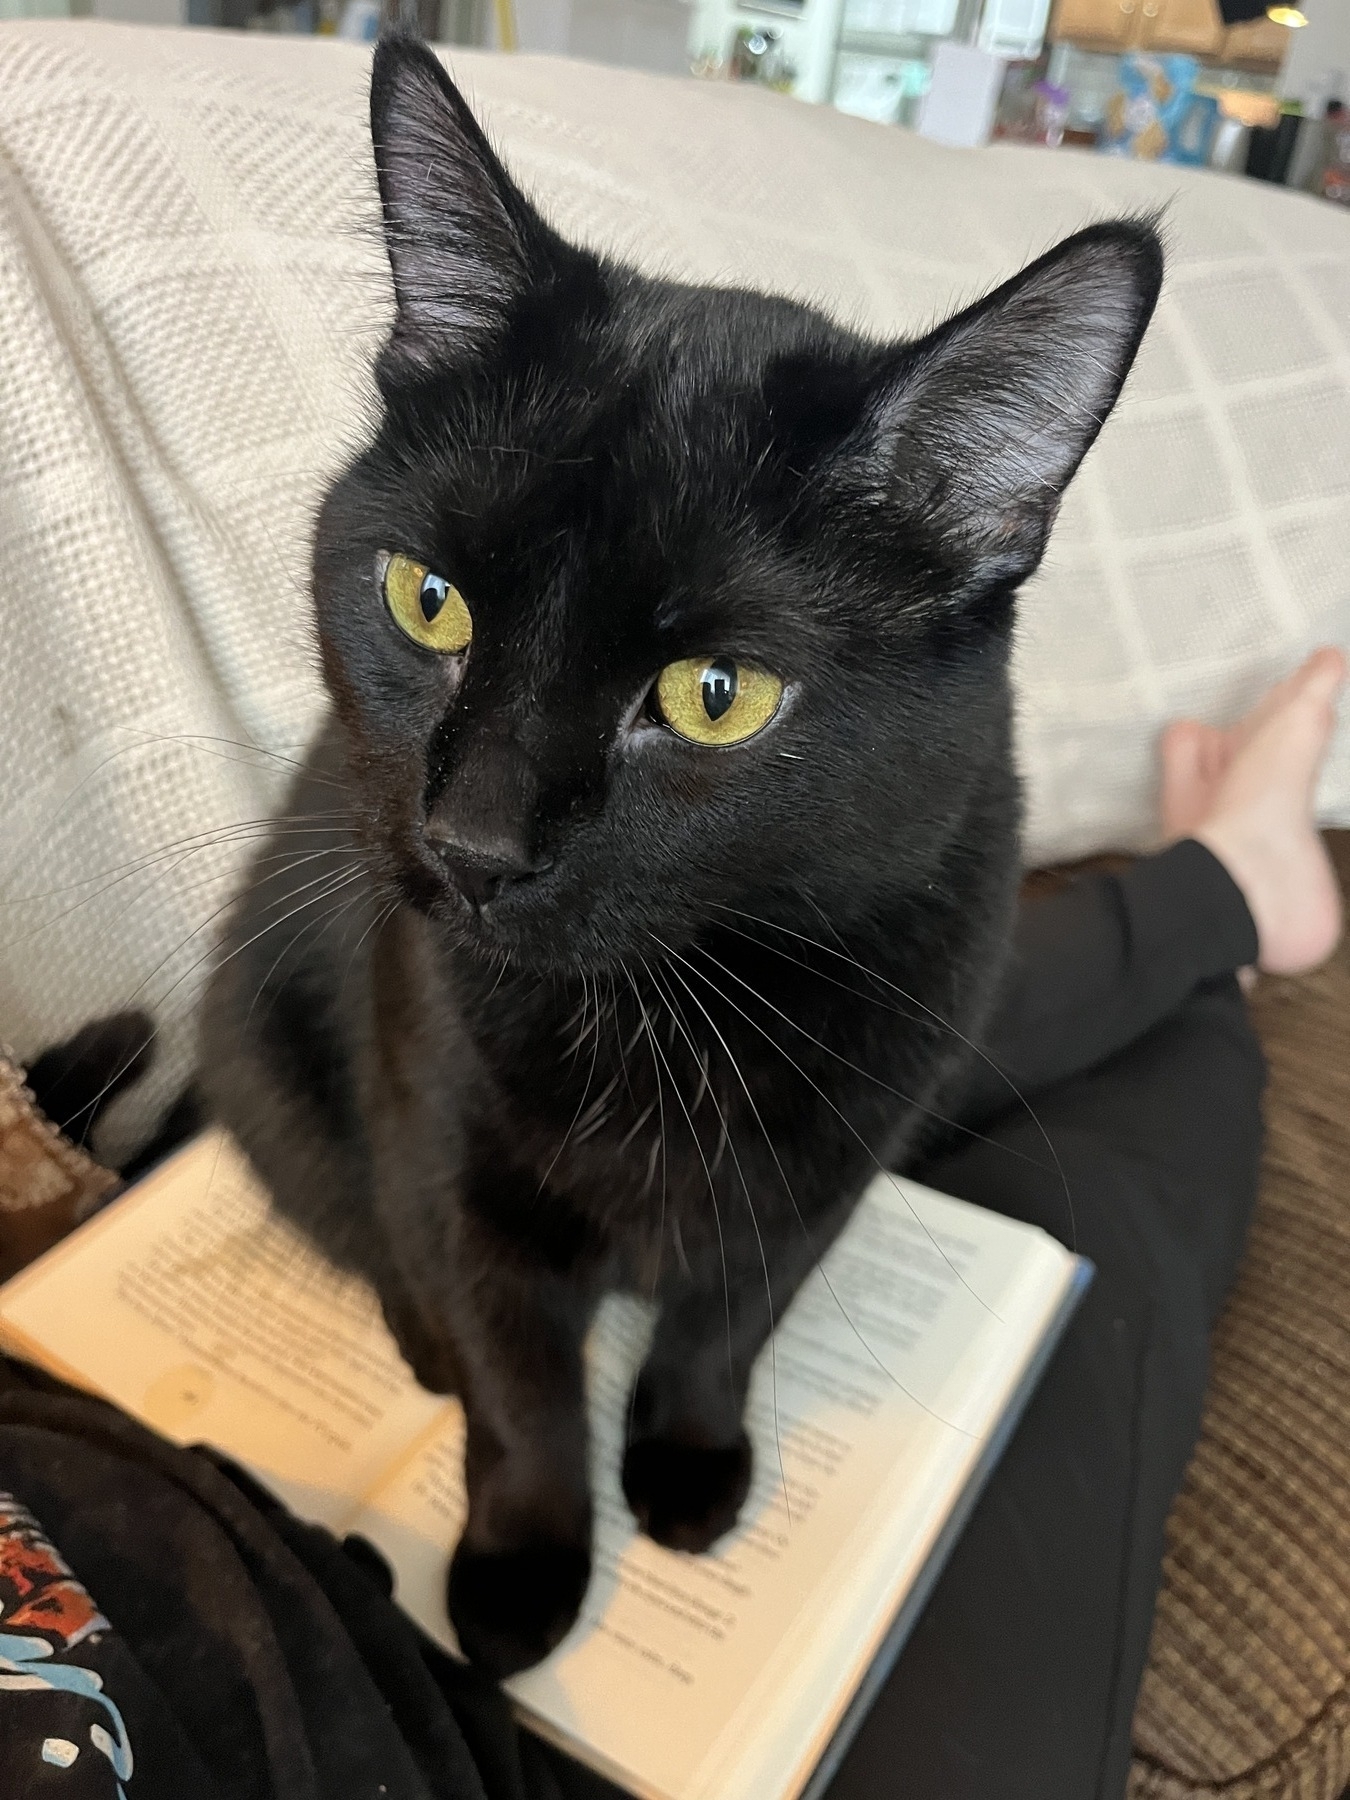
<point>875,58</point>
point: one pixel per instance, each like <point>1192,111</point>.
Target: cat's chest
<point>675,1094</point>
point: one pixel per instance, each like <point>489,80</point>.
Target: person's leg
<point>1095,966</point>
<point>1246,880</point>
<point>1020,1680</point>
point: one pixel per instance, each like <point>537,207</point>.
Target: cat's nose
<point>482,870</point>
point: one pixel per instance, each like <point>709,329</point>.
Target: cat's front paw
<point>686,1496</point>
<point>511,1607</point>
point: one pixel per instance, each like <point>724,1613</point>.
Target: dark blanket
<point>168,1631</point>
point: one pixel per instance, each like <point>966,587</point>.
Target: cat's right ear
<point>462,238</point>
<point>981,426</point>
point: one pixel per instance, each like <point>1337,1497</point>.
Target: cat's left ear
<point>464,243</point>
<point>979,427</point>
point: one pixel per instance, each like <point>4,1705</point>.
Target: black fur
<point>708,991</point>
<point>75,1082</point>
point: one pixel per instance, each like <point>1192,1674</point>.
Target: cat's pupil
<point>719,686</point>
<point>432,596</point>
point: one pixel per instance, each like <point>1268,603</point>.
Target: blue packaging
<point>1155,112</point>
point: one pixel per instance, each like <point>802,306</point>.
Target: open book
<point>889,1387</point>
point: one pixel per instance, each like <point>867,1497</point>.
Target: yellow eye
<point>426,606</point>
<point>713,700</point>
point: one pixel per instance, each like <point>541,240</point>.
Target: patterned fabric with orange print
<point>45,1614</point>
<point>37,1591</point>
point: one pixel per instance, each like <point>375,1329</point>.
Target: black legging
<point>1124,1027</point>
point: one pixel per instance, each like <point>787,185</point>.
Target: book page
<point>703,1678</point>
<point>201,1312</point>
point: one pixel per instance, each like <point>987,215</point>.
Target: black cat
<point>659,853</point>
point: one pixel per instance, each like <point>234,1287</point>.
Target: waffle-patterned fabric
<point>190,283</point>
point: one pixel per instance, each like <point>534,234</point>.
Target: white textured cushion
<point>189,289</point>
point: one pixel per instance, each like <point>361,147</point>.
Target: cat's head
<point>648,599</point>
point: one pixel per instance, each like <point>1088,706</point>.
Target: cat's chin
<point>490,942</point>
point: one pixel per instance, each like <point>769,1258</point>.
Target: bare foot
<point>1247,795</point>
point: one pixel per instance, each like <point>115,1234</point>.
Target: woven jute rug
<point>1247,1694</point>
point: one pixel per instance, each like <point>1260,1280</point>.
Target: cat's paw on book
<point>509,1608</point>
<point>686,1496</point>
